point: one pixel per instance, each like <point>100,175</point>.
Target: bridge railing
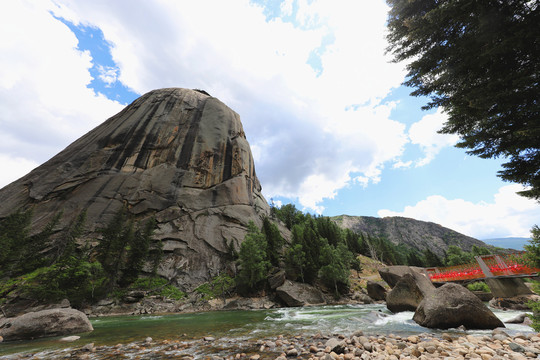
<point>484,266</point>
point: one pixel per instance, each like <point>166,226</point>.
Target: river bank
<point>358,346</point>
<point>226,334</point>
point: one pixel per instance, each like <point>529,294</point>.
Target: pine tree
<point>252,259</point>
<point>336,266</point>
<point>139,245</point>
<point>274,241</point>
<point>479,61</point>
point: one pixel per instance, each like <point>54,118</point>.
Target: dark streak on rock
<point>187,148</point>
<point>227,167</point>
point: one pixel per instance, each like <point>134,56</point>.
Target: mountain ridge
<point>417,234</point>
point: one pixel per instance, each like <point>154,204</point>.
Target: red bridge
<point>502,274</point>
<point>486,266</point>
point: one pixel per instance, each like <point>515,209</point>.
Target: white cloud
<point>307,145</point>
<point>424,133</point>
<point>44,101</point>
<point>107,74</point>
<point>13,168</point>
<point>507,215</point>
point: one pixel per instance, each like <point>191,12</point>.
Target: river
<point>244,326</point>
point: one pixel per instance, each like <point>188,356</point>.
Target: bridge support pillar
<point>507,287</point>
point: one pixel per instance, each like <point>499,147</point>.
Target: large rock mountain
<point>416,234</point>
<point>179,155</point>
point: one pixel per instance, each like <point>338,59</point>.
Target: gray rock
<point>363,298</point>
<point>483,296</point>
<point>176,154</point>
<point>336,345</point>
<point>376,291</point>
<point>519,319</point>
<point>276,279</point>
<point>299,294</point>
<point>45,323</point>
<point>516,347</point>
<point>451,306</point>
<point>392,274</point>
<point>409,291</point>
<point>89,347</point>
<point>70,338</point>
<point>292,352</point>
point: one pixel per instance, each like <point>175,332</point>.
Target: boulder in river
<point>451,306</point>
<point>45,323</point>
<point>409,291</point>
<point>392,274</point>
<point>375,290</point>
<point>299,294</point>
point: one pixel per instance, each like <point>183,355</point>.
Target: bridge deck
<point>487,266</point>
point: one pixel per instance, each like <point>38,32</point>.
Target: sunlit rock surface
<point>179,155</point>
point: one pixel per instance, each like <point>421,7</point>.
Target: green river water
<point>243,325</point>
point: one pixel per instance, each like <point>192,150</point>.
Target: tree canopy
<point>480,62</point>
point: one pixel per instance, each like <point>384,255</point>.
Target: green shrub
<point>535,317</point>
<point>172,292</point>
<point>219,286</point>
<point>479,286</point>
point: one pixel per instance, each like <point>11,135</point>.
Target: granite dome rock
<point>177,154</point>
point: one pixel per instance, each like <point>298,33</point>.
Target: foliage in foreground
<point>533,257</point>
<point>478,60</point>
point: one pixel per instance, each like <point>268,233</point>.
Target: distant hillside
<point>416,234</point>
<point>515,243</point>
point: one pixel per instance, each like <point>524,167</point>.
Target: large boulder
<point>178,155</point>
<point>375,290</point>
<point>392,274</point>
<point>409,291</point>
<point>276,279</point>
<point>45,323</point>
<point>451,306</point>
<point>299,294</point>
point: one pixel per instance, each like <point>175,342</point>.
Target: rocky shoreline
<point>358,346</point>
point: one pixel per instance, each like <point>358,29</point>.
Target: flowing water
<point>247,325</point>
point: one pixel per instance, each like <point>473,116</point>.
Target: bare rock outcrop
<point>178,155</point>
<point>451,306</point>
<point>44,323</point>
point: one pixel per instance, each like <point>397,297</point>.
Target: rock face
<point>419,235</point>
<point>45,323</point>
<point>298,294</point>
<point>408,293</point>
<point>176,154</point>
<point>451,306</point>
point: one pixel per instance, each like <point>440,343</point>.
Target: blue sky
<point>331,128</point>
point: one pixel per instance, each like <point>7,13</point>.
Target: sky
<point>331,128</point>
